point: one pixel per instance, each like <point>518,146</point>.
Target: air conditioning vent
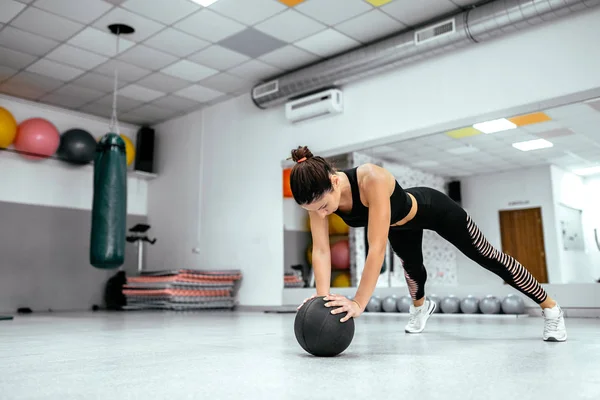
<point>315,105</point>
<point>265,89</point>
<point>434,32</point>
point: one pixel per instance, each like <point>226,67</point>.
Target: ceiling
<point>573,130</point>
<point>182,56</point>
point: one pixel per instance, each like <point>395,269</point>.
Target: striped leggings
<point>441,214</point>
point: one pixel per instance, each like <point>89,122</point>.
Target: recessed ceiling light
<point>535,144</point>
<point>587,171</point>
<point>496,125</point>
<point>463,150</point>
<point>205,3</point>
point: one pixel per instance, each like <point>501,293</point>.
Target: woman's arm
<point>378,198</point>
<point>321,253</point>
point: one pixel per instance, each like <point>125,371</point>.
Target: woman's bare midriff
<point>411,213</point>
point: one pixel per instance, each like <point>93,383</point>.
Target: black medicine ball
<point>320,332</point>
<point>77,146</point>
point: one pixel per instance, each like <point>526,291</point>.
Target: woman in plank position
<point>369,196</point>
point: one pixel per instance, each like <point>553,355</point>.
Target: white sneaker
<point>419,316</point>
<point>554,324</point>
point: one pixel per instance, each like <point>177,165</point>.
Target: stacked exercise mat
<point>183,289</point>
<point>292,280</point>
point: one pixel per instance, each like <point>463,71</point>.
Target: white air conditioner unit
<point>315,105</point>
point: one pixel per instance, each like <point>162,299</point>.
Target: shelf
<point>144,175</point>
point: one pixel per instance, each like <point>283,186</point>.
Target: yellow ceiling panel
<point>378,3</point>
<point>291,3</point>
<point>528,119</point>
<point>463,132</point>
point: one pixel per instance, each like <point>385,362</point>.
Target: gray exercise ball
<point>389,304</point>
<point>469,305</point>
<point>436,299</point>
<point>513,304</point>
<point>490,305</point>
<point>403,304</point>
<point>374,304</point>
<point>450,305</point>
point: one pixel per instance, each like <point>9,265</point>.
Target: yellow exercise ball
<point>342,280</point>
<point>8,128</point>
<point>337,226</point>
<point>129,149</point>
<point>309,254</point>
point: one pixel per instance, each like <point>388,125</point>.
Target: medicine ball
<point>319,332</point>
<point>77,146</point>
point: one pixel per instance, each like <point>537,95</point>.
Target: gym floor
<point>254,355</point>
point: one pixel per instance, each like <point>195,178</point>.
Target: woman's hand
<point>351,307</point>
<point>305,300</point>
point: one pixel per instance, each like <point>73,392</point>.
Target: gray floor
<point>252,355</point>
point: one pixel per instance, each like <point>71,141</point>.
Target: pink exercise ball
<point>340,255</point>
<point>37,136</point>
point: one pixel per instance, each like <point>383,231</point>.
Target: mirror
<point>530,182</point>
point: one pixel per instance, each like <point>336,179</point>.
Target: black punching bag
<point>109,208</point>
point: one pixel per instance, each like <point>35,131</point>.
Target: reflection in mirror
<point>530,182</point>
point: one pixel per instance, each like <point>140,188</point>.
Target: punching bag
<point>109,207</point>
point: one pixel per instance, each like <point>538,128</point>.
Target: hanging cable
<point>114,121</point>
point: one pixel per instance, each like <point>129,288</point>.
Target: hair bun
<point>300,153</point>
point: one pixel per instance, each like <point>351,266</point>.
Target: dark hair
<point>310,177</point>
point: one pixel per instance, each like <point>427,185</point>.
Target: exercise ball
<point>287,188</point>
<point>129,149</point>
<point>374,304</point>
<point>490,305</point>
<point>8,128</point>
<point>469,305</point>
<point>309,254</point>
<point>513,304</point>
<point>37,137</point>
<point>340,255</point>
<point>389,304</point>
<point>319,332</point>
<point>450,305</point>
<point>436,299</point>
<point>342,279</point>
<point>77,146</point>
<point>337,226</point>
<point>403,304</point>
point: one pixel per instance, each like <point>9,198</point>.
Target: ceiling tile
<point>25,42</point>
<point>100,41</point>
<point>96,109</point>
<point>124,104</point>
<point>6,72</point>
<point>163,83</point>
<point>15,59</point>
<point>199,93</point>
<point>252,43</point>
<point>65,101</point>
<point>370,26</point>
<point>289,57</point>
<point>248,12</point>
<point>254,71</point>
<point>147,57</point>
<point>9,9</point>
<point>68,8</point>
<point>218,57</point>
<point>167,12</point>
<point>144,27</point>
<point>82,93</point>
<point>55,70</point>
<point>76,57</point>
<point>413,13</point>
<point>141,93</point>
<point>327,43</point>
<point>209,25</point>
<point>53,27</point>
<point>175,42</point>
<point>96,81</point>
<point>29,85</point>
<point>189,70</point>
<point>226,83</point>
<point>177,103</point>
<point>332,12</point>
<point>279,26</point>
<point>149,114</point>
<point>127,72</point>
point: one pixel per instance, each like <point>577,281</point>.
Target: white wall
<point>591,221</point>
<point>241,210</point>
<point>174,196</point>
<point>52,182</point>
<point>484,196</point>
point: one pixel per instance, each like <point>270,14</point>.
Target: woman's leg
<point>407,244</point>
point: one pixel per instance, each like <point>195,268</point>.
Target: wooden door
<point>522,234</point>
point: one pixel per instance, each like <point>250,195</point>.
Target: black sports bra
<point>358,217</point>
